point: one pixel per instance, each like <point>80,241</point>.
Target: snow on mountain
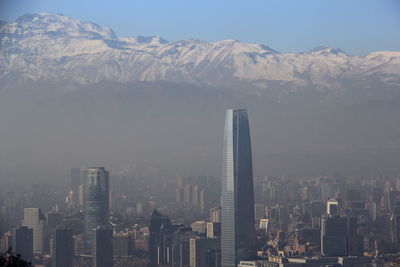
<point>55,47</point>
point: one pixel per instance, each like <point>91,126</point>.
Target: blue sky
<point>356,26</point>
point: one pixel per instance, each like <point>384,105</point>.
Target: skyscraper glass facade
<point>97,193</point>
<point>237,215</point>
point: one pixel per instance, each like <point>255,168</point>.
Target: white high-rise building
<point>34,219</point>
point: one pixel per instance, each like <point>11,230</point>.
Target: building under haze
<point>22,242</point>
<point>334,236</point>
<point>237,215</point>
<point>157,222</point>
<point>62,247</point>
<point>97,190</point>
<point>102,247</point>
<point>34,219</point>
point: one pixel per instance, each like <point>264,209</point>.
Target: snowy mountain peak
<point>151,40</point>
<point>326,50</point>
<point>237,47</point>
<point>145,40</point>
<point>54,47</point>
<point>55,26</point>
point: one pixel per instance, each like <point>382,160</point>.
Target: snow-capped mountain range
<point>54,47</point>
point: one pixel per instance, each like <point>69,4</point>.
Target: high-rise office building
<point>237,215</point>
<point>181,246</point>
<point>22,242</point>
<point>201,250</point>
<point>159,223</point>
<point>339,237</point>
<point>102,247</point>
<point>34,219</point>
<point>334,236</point>
<point>62,247</point>
<point>96,183</point>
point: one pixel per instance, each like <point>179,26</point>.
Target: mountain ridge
<point>55,47</point>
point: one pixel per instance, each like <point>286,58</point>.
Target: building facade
<point>62,247</point>
<point>102,247</point>
<point>97,192</point>
<point>34,219</point>
<point>22,242</point>
<point>237,215</point>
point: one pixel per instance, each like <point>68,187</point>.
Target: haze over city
<point>140,94</point>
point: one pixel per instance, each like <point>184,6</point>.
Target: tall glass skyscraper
<point>97,192</point>
<point>237,214</point>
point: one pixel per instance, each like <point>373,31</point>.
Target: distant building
<point>97,192</point>
<point>332,207</point>
<point>395,230</point>
<point>102,247</point>
<point>237,215</point>
<point>215,214</point>
<point>259,211</point>
<point>329,189</point>
<point>334,236</point>
<point>197,192</point>
<point>81,195</point>
<point>201,251</point>
<point>158,224</point>
<point>6,241</point>
<point>339,237</point>
<point>213,229</point>
<point>392,199</point>
<point>253,264</point>
<point>34,219</point>
<point>122,244</point>
<point>199,226</point>
<point>264,226</point>
<point>22,242</point>
<point>62,248</point>
<point>181,247</point>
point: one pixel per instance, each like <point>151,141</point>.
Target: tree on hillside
<point>9,259</point>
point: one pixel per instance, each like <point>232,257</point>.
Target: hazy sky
<point>356,26</point>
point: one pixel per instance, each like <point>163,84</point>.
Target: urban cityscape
<point>260,133</point>
<point>206,221</point>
